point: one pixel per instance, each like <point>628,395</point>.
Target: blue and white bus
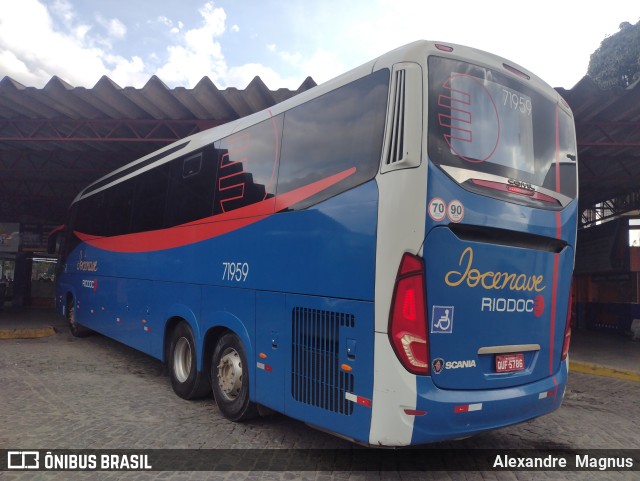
<point>387,256</point>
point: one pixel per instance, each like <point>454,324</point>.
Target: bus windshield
<point>489,122</point>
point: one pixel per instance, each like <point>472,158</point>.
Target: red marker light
<point>518,190</point>
<point>517,72</point>
<point>444,48</point>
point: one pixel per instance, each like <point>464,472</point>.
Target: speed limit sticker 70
<point>437,209</point>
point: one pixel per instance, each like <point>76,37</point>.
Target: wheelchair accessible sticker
<point>442,320</point>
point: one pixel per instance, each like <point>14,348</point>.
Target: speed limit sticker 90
<point>455,211</point>
<point>437,209</point>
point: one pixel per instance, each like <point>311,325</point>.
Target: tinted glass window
<point>106,213</point>
<point>333,133</point>
<point>150,199</point>
<point>119,208</point>
<point>193,180</point>
<point>248,166</point>
<point>489,122</point>
<point>90,213</point>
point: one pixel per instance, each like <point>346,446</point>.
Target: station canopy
<point>608,133</point>
<point>56,140</point>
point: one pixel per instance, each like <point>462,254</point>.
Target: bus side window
<point>191,188</point>
<point>149,199</point>
<point>248,166</point>
<point>334,133</point>
<point>119,208</point>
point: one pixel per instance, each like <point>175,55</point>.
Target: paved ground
<point>59,392</point>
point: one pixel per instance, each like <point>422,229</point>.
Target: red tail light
<point>567,327</point>
<point>407,319</point>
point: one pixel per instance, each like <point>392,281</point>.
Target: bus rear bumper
<point>448,414</point>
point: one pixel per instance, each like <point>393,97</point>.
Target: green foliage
<point>617,61</point>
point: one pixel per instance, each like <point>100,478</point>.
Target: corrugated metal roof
<point>57,139</point>
<point>107,100</point>
<point>608,133</point>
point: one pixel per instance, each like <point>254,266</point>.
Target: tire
<point>76,329</point>
<point>186,380</point>
<point>230,379</point>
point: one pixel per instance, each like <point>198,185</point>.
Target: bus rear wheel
<point>76,329</point>
<point>186,381</point>
<point>230,379</point>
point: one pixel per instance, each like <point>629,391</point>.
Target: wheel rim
<point>182,359</point>
<point>230,374</point>
<point>71,317</point>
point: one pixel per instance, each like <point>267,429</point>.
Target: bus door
<point>271,349</point>
<point>131,313</point>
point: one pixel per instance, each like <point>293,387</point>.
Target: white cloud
<point>80,54</point>
<point>63,10</point>
<point>19,70</point>
<point>127,72</point>
<point>48,53</point>
<point>165,21</point>
<point>242,75</point>
<point>81,47</point>
<point>198,53</point>
<point>291,58</point>
<point>115,28</point>
<point>323,65</point>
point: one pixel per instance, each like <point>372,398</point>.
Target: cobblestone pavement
<point>61,392</point>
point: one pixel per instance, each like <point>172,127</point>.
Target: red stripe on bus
<point>556,257</point>
<point>213,226</point>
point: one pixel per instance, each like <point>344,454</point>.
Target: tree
<point>617,61</point>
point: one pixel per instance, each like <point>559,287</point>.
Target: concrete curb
<point>599,370</point>
<point>27,332</point>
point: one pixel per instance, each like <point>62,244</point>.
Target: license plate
<point>509,362</point>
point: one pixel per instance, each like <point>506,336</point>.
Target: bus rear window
<point>486,121</point>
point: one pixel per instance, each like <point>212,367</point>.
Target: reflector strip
<point>544,395</point>
<point>467,408</point>
<point>264,367</point>
<point>363,401</point>
<point>415,412</point>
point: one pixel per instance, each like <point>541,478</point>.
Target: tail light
<point>567,327</point>
<point>407,318</point>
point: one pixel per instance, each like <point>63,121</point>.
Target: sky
<point>285,41</point>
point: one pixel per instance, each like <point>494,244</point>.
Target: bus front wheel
<point>76,329</point>
<point>230,379</point>
<point>186,381</point>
